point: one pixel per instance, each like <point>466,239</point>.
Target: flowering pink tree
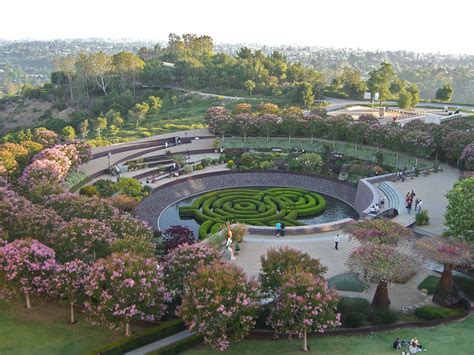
<point>278,261</point>
<point>304,303</point>
<point>27,265</point>
<point>84,239</point>
<point>45,137</point>
<point>382,264</point>
<point>125,287</point>
<point>219,297</point>
<point>379,231</point>
<point>70,206</point>
<point>467,156</point>
<point>244,122</point>
<point>68,283</point>
<point>452,253</point>
<point>42,177</point>
<point>218,119</point>
<point>183,262</point>
<point>268,123</point>
<point>57,155</point>
<point>123,225</point>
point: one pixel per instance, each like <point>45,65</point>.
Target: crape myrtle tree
<point>378,231</point>
<point>68,284</point>
<point>220,297</point>
<point>177,235</point>
<point>245,121</point>
<point>381,264</point>
<point>292,118</point>
<point>458,218</point>
<point>452,253</point>
<point>304,303</point>
<point>27,266</point>
<point>183,261</point>
<point>124,287</point>
<point>268,123</point>
<point>467,157</point>
<point>218,120</point>
<point>279,260</point>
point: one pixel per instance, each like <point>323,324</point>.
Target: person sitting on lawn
<point>397,344</point>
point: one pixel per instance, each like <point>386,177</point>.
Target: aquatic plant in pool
<point>258,207</point>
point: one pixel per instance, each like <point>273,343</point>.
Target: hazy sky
<point>417,25</point>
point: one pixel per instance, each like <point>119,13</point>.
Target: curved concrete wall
<point>151,207</point>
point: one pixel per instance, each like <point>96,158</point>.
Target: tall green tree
<point>127,65</point>
<point>101,67</point>
<point>459,218</point>
<point>352,83</point>
<point>380,80</point>
<point>444,93</point>
<point>250,86</point>
<point>305,94</point>
<point>100,124</point>
<point>67,66</point>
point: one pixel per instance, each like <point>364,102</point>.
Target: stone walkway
<point>161,343</point>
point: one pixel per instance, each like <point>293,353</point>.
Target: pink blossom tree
<point>125,287</point>
<point>42,178</point>
<point>84,239</point>
<point>379,231</point>
<point>244,122</point>
<point>68,283</point>
<point>183,261</point>
<point>381,264</point>
<point>218,119</point>
<point>280,260</point>
<point>220,297</point>
<point>27,265</point>
<point>452,253</point>
<point>304,303</point>
<point>268,123</point>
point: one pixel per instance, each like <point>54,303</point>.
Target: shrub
<point>199,167</point>
<point>381,316</point>
<point>267,165</point>
<point>422,217</point>
<point>106,188</point>
<point>230,164</point>
<point>124,203</point>
<point>129,186</point>
<point>89,191</point>
<point>246,159</point>
<point>177,235</point>
<point>347,282</point>
<point>354,312</point>
<point>188,168</point>
<point>433,312</point>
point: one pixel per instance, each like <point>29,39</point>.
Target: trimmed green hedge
<point>261,207</point>
<point>179,346</point>
<point>433,312</point>
<point>141,339</point>
<point>347,282</point>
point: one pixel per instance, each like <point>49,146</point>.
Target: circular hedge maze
<point>258,207</point>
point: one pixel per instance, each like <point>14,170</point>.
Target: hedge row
<point>259,207</point>
<point>141,339</point>
<point>179,346</point>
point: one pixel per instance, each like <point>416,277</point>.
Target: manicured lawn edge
<point>141,339</point>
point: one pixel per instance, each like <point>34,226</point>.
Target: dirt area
<point>28,113</point>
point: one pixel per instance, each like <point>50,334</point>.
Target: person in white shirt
<point>336,242</point>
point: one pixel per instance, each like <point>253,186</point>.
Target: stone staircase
<point>393,197</point>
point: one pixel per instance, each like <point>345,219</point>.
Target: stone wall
<point>151,207</point>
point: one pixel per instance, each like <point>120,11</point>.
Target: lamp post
<point>109,155</point>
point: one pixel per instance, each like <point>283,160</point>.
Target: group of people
<point>413,346</point>
<point>403,174</point>
<point>280,229</point>
<point>410,199</point>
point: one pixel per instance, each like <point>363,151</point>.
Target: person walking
<point>282,229</point>
<point>418,207</point>
<point>336,242</point>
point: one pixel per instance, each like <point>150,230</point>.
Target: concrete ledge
<point>315,228</point>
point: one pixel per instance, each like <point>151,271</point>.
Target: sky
<point>414,25</point>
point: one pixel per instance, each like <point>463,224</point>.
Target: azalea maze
<point>253,206</point>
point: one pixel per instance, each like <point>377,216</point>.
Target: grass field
<point>454,338</point>
<point>44,330</point>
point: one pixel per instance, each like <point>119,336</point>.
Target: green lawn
<point>455,338</point>
<point>44,330</point>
